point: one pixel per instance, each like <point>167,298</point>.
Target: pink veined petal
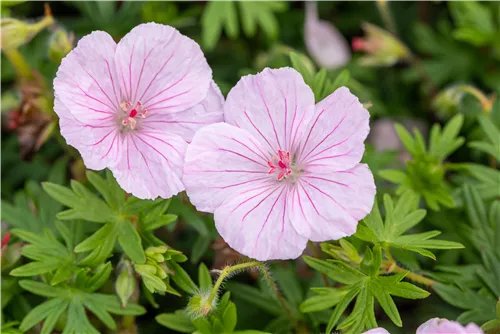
<point>256,223</point>
<point>444,326</point>
<point>86,82</point>
<point>334,137</point>
<point>221,161</point>
<point>98,144</point>
<point>329,206</point>
<point>161,68</point>
<point>150,164</point>
<point>274,106</point>
<point>186,123</point>
<point>378,330</point>
<point>324,42</point>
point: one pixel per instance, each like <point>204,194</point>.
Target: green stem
<point>486,103</point>
<point>391,266</point>
<point>20,65</point>
<point>267,276</point>
<point>385,12</point>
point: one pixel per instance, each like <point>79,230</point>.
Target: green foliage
<point>490,146</point>
<point>222,321</point>
<point>363,283</point>
<point>223,15</point>
<point>321,84</point>
<point>399,218</point>
<point>83,254</point>
<point>475,23</point>
<point>484,233</point>
<point>425,172</point>
<point>70,303</point>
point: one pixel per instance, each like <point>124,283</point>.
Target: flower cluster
<point>280,171</point>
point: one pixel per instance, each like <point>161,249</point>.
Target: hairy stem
<point>224,273</point>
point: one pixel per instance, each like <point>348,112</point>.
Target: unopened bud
<point>200,305</point>
<point>16,32</point>
<point>447,102</point>
<point>125,283</point>
<point>150,251</point>
<point>145,269</point>
<point>60,44</point>
<point>380,46</point>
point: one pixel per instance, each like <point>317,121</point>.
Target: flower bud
<point>324,42</point>
<point>16,32</point>
<point>200,305</point>
<point>125,283</point>
<point>150,251</point>
<point>60,44</point>
<point>447,102</point>
<point>381,47</point>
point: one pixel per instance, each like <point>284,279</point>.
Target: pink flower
<point>378,330</point>
<point>282,170</point>
<point>444,326</point>
<point>324,42</point>
<point>132,106</point>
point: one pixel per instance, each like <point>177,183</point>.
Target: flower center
<point>130,113</point>
<point>280,163</point>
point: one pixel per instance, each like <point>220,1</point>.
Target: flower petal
<point>97,144</point>
<point>256,224</point>
<point>220,162</point>
<point>151,164</point>
<point>273,106</point>
<point>334,138</point>
<point>86,82</point>
<point>324,42</point>
<point>186,123</point>
<point>161,68</point>
<point>329,206</point>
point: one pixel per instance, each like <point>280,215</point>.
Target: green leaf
<point>336,270</point>
<point>181,278</point>
<point>327,298</point>
<point>255,297</point>
<point>302,67</point>
<point>176,321</point>
<point>388,305</point>
<point>204,278</point>
<point>229,318</point>
<point>41,289</point>
<point>51,320</point>
<point>41,312</point>
<point>131,243</point>
<point>100,313</point>
<point>342,306</point>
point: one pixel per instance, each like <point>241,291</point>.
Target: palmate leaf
<point>219,16</point>
<point>486,181</point>
<point>492,145</point>
<point>365,286</point>
<point>21,214</point>
<point>399,218</point>
<point>48,255</point>
<point>425,174</point>
<point>112,210</point>
<point>75,301</point>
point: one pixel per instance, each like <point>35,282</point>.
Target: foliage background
<point>453,45</point>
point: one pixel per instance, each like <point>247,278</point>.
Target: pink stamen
<point>132,112</point>
<point>283,164</point>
